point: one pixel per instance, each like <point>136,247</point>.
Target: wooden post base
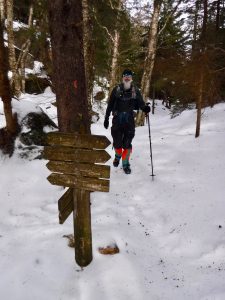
<point>82,227</point>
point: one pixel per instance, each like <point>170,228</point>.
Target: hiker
<point>124,99</point>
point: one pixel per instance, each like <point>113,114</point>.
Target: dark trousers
<point>123,131</point>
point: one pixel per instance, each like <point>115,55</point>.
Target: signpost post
<point>72,159</point>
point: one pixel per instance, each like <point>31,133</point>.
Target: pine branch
<point>169,16</point>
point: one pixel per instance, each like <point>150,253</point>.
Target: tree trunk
<point>21,62</point>
<point>115,48</point>
<point>88,50</point>
<point>66,28</point>
<point>195,27</point>
<point>68,64</point>
<point>199,104</point>
<point>11,123</point>
<point>115,56</point>
<point>23,65</point>
<point>151,52</point>
<point>218,9</point>
<point>150,58</point>
<point>202,64</point>
<point>2,10</point>
<point>204,25</point>
<point>15,81</point>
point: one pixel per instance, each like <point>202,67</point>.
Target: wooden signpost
<point>72,159</point>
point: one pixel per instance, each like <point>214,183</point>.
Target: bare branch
<point>105,28</point>
<point>218,48</point>
<point>22,51</point>
<point>110,2</point>
<point>25,47</point>
<point>118,7</point>
<point>218,70</point>
<point>31,12</point>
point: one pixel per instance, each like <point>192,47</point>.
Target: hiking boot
<point>127,169</point>
<point>116,162</point>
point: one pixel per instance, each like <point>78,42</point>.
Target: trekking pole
<point>150,142</point>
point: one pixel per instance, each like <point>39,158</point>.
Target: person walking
<point>124,99</point>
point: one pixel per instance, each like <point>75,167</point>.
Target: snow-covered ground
<point>170,231</point>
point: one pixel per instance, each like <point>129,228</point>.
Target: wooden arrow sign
<point>65,205</point>
<point>74,140</point>
<point>84,183</point>
<point>79,169</point>
<point>79,155</point>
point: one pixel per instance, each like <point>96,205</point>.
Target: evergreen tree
<point>171,56</point>
<point>111,21</point>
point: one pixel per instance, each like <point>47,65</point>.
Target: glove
<point>146,109</point>
<point>106,123</point>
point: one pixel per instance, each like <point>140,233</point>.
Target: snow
<point>170,230</point>
<point>38,70</point>
<point>18,25</point>
<point>33,103</point>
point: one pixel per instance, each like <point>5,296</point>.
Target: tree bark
<point>199,104</point>
<point>66,28</point>
<point>218,9</point>
<point>11,123</point>
<point>150,58</point>
<point>21,62</point>
<point>151,52</point>
<point>195,27</point>
<point>26,47</point>
<point>2,10</point>
<point>88,49</point>
<point>115,48</point>
<point>204,25</point>
<point>202,63</point>
<point>115,55</point>
<point>15,81</point>
<point>68,65</point>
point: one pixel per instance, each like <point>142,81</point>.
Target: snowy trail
<point>175,218</point>
<point>170,231</point>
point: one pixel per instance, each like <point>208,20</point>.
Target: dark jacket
<point>122,100</point>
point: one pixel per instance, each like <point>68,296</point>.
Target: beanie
<point>127,72</point>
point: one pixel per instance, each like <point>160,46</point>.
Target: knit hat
<point>127,72</point>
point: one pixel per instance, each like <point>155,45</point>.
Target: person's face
<point>127,79</point>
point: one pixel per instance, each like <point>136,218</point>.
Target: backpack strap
<point>134,94</point>
<point>119,90</point>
